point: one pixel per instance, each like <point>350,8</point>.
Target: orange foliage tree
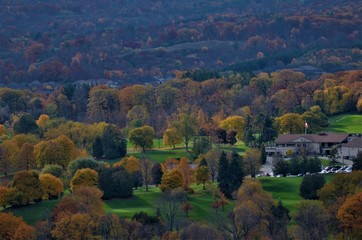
<point>12,227</point>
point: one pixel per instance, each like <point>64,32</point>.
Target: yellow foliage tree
<point>171,137</point>
<point>290,123</point>
<point>171,180</point>
<point>42,120</point>
<point>51,185</point>
<point>131,164</point>
<point>187,173</point>
<point>2,130</point>
<point>234,123</point>
<point>84,177</point>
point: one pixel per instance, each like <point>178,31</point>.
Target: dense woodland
<point>138,41</point>
<point>201,76</point>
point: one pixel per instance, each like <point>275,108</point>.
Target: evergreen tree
<point>357,162</point>
<point>248,131</point>
<point>113,143</point>
<point>235,172</point>
<point>263,154</point>
<point>157,174</point>
<point>279,221</point>
<point>97,148</point>
<point>203,162</point>
<point>223,176</point>
<point>268,132</point>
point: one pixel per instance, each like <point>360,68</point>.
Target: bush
<point>310,185</point>
<point>115,182</point>
<point>54,170</point>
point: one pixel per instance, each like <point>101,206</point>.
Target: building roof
<point>327,137</point>
<point>354,143</point>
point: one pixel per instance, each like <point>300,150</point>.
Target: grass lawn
<point>201,202</point>
<point>345,123</point>
<point>286,189</point>
<point>34,212</point>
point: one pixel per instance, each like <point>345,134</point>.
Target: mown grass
<point>345,123</point>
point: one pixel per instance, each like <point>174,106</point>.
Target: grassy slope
<point>346,123</point>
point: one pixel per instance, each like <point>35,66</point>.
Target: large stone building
<point>318,144</point>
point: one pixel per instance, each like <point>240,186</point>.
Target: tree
<point>231,137</point>
<point>142,137</point>
<point>42,121</point>
<point>223,175</point>
<point>252,211</point>
<point>54,170</point>
<point>113,142</point>
<point>84,177</point>
<point>171,137</point>
<point>97,148</point>
<point>4,160</point>
<point>59,151</point>
<point>252,161</point>
<point>280,166</point>
<point>4,196</point>
<point>357,162</point>
<point>171,180</point>
<point>28,183</point>
<point>279,221</point>
<point>82,163</point>
<point>234,123</point>
<point>12,227</point>
<point>349,215</point>
<point>169,204</point>
<point>25,124</point>
<point>236,172</point>
<point>201,145</point>
<point>26,157</point>
<point>289,123</point>
<point>157,174</point>
<point>51,185</point>
<point>263,155</point>
<point>185,128</point>
<point>310,185</point>
<point>131,164</point>
<point>2,130</point>
<point>77,226</point>
<point>312,220</point>
<point>103,105</point>
<point>146,168</point>
<point>115,182</point>
<point>212,158</point>
<point>202,175</point>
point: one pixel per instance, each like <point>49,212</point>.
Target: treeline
<point>83,40</point>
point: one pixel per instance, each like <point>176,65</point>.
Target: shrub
<point>310,185</point>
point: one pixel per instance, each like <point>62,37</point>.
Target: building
<point>351,148</point>
<point>313,144</point>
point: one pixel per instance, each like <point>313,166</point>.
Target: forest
<point>147,41</point>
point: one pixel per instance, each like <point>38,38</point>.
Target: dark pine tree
<point>203,162</point>
<point>235,172</point>
<point>97,148</point>
<point>263,154</point>
<point>157,174</point>
<point>223,177</point>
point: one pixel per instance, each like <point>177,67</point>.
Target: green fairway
<point>345,123</point>
<point>201,202</point>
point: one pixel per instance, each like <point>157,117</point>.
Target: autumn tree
<point>142,137</point>
<point>171,180</point>
<point>2,130</point>
<point>26,158</point>
<point>12,227</point>
<point>200,231</point>
<point>54,170</point>
<point>234,123</point>
<point>187,173</point>
<point>290,123</point>
<point>186,128</point>
<point>171,137</point>
<point>42,121</point>
<point>349,214</point>
<point>131,164</point>
<point>4,196</point>
<point>312,220</point>
<point>51,185</point>
<point>58,151</point>
<point>146,167</point>
<point>252,161</point>
<point>5,162</point>
<point>202,175</point>
<point>103,105</point>
<point>84,177</point>
<point>28,183</point>
<point>212,158</point>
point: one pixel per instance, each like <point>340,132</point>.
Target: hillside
<point>138,41</point>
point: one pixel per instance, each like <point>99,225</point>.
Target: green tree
<point>201,145</point>
<point>263,155</point>
<point>54,170</point>
<point>202,175</point>
<point>357,162</point>
<point>25,124</point>
<point>142,137</point>
<point>186,127</point>
<point>223,175</point>
<point>113,142</point>
<point>310,185</point>
<point>115,182</point>
<point>236,172</point>
<point>280,166</point>
<point>82,163</point>
<point>97,148</point>
<point>171,137</point>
